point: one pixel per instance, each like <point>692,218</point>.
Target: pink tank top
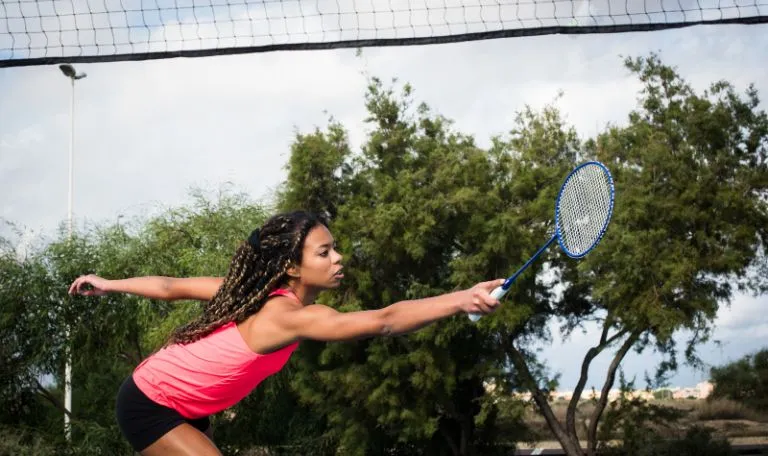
<point>210,374</point>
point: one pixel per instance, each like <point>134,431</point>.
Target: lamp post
<point>69,71</point>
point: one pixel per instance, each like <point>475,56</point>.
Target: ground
<point>737,423</point>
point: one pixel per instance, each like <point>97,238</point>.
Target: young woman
<point>253,320</point>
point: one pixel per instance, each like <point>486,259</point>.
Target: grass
<point>724,409</point>
<point>726,418</point>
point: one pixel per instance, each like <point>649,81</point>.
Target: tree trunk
<point>466,430</point>
<point>570,443</point>
<point>609,379</point>
<point>605,341</point>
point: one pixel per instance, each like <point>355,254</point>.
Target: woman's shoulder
<point>283,292</point>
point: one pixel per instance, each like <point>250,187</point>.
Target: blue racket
<point>582,211</point>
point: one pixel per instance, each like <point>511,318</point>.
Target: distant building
<point>700,391</point>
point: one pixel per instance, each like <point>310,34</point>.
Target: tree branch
<point>466,430</point>
<point>129,357</point>
<point>570,444</point>
<point>605,341</point>
<point>609,379</point>
<point>449,439</point>
<point>138,346</point>
<point>51,398</point>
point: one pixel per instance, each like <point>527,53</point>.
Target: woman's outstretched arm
<point>153,287</point>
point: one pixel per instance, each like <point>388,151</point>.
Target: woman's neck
<point>306,295</point>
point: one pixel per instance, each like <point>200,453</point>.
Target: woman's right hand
<point>478,299</point>
<point>89,285</point>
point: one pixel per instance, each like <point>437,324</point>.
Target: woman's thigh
<point>183,440</point>
<point>144,422</point>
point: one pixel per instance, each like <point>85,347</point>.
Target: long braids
<point>258,267</point>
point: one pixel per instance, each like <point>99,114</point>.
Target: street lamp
<point>69,71</point>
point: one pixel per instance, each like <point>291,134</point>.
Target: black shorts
<point>143,421</point>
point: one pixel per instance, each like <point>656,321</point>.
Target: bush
<point>698,441</point>
<point>17,442</point>
<point>726,409</point>
<point>744,381</point>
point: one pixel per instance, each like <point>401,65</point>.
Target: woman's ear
<point>293,271</point>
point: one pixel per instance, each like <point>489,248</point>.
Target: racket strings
<point>583,209</point>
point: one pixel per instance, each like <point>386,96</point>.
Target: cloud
<point>740,329</point>
<point>22,139</point>
<point>745,318</point>
<point>147,132</point>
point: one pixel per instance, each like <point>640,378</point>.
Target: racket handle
<point>498,293</point>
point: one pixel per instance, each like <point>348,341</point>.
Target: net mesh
<point>70,31</point>
<point>584,208</point>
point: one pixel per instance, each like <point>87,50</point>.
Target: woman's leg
<point>183,440</point>
<point>153,429</point>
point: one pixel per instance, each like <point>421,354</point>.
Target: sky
<point>148,132</point>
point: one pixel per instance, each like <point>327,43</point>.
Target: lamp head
<point>69,71</point>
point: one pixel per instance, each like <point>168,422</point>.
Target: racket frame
<point>558,228</point>
<point>499,292</point>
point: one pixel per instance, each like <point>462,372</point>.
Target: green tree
<point>744,380</point>
<point>689,228</point>
<point>110,335</point>
<point>29,350</point>
<point>414,214</point>
<point>317,170</point>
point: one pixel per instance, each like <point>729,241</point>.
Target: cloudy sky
<point>148,132</point>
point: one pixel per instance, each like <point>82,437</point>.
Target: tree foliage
<point>409,222</point>
<point>111,335</point>
<point>688,230</point>
<point>744,380</point>
<point>423,210</point>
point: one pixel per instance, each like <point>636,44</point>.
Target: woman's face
<point>320,262</point>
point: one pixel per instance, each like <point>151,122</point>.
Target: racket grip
<point>498,293</point>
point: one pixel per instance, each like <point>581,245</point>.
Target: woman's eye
<point>325,253</point>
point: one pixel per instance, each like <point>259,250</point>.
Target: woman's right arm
<point>153,287</point>
<point>324,323</point>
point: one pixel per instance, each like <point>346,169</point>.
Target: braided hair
<point>258,267</point>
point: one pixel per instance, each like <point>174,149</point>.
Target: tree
<point>410,222</point>
<point>110,335</point>
<point>689,228</point>
<point>28,349</point>
<point>744,380</point>
<point>678,241</point>
<point>317,171</point>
